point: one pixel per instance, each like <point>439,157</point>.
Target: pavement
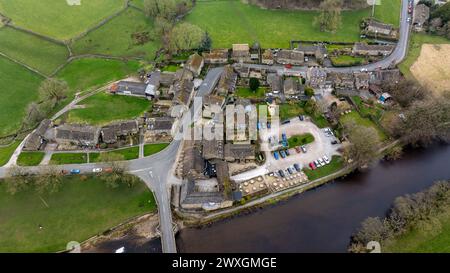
<point>156,170</point>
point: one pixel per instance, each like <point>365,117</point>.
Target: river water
<point>323,219</point>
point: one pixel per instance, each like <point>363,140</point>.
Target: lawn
<point>38,53</point>
<point>360,121</point>
<point>288,111</point>
<point>335,164</point>
<point>7,151</point>
<point>368,110</point>
<point>245,92</point>
<point>115,38</point>
<point>68,158</point>
<point>170,68</point>
<point>232,21</point>
<point>389,11</point>
<point>103,108</point>
<point>81,209</point>
<point>18,88</point>
<point>415,45</point>
<point>150,149</point>
<point>57,19</point>
<point>345,60</point>
<point>30,158</point>
<point>298,140</point>
<point>128,154</point>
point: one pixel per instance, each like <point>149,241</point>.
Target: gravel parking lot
<point>320,147</point>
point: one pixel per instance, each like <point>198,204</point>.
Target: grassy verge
<point>6,152</point>
<point>345,60</point>
<point>335,164</point>
<point>61,21</point>
<point>103,108</point>
<point>18,88</point>
<point>30,158</point>
<point>245,92</point>
<point>119,37</point>
<point>150,149</point>
<point>81,209</point>
<point>38,53</point>
<point>415,45</point>
<point>298,140</point>
<point>128,154</point>
<point>68,158</point>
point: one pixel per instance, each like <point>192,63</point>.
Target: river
<point>323,219</point>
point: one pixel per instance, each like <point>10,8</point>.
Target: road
<point>157,170</point>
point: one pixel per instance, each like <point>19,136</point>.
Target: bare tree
<point>185,36</point>
<point>17,180</point>
<point>49,180</point>
<point>364,143</point>
<point>329,18</point>
<point>53,90</point>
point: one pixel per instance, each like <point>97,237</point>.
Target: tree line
<point>406,213</point>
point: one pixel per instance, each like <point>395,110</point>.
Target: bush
<point>254,84</point>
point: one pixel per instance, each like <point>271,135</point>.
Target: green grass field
<point>430,236</point>
<point>80,210</point>
<point>232,21</point>
<point>346,60</point>
<point>115,37</point>
<point>38,53</point>
<point>68,158</point>
<point>18,88</point>
<point>415,45</point>
<point>335,164</point>
<point>128,154</point>
<point>388,12</point>
<point>7,151</point>
<point>150,149</point>
<point>298,140</point>
<point>103,108</point>
<point>355,116</point>
<point>245,92</point>
<point>288,111</point>
<point>30,158</point>
<point>57,19</point>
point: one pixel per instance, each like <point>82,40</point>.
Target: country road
<point>156,170</point>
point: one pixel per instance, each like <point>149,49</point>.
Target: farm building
<point>241,53</point>
<point>421,16</point>
<point>111,133</point>
<point>239,152</point>
<point>195,64</point>
<point>37,139</point>
<point>293,57</point>
<point>137,89</point>
<point>364,49</point>
<point>227,81</point>
<point>216,56</point>
<point>77,135</point>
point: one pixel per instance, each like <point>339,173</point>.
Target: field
<point>18,88</point>
<point>38,53</point>
<point>115,37</point>
<point>335,164</point>
<point>345,60</point>
<point>430,236</point>
<point>68,158</point>
<point>80,210</point>
<point>431,69</point>
<point>7,151</point>
<point>30,158</point>
<point>298,140</point>
<point>128,154</point>
<point>415,46</point>
<point>360,121</point>
<point>232,21</point>
<point>103,108</point>
<point>150,149</point>
<point>388,12</point>
<point>288,111</point>
<point>57,19</point>
<point>245,92</point>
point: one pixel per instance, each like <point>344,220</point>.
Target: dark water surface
<point>323,219</point>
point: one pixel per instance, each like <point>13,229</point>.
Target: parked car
<point>334,142</point>
<point>326,159</point>
<point>289,171</point>
<point>317,163</point>
<point>269,124</point>
<point>312,166</point>
<point>108,170</point>
<point>298,149</point>
<point>286,121</point>
<point>297,167</point>
<point>321,162</point>
<point>97,170</point>
<point>304,148</point>
<point>276,155</point>
<point>283,154</point>
<point>301,118</point>
<point>75,171</point>
<point>287,152</point>
<point>288,66</point>
<point>281,173</point>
